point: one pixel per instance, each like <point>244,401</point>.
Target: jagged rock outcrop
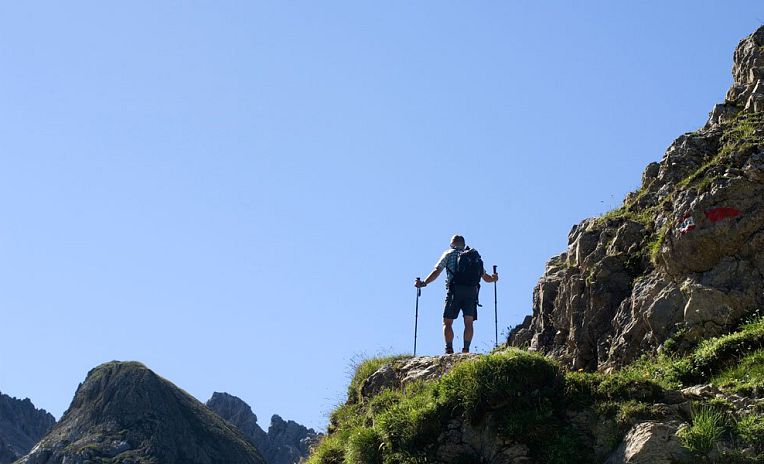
<point>21,426</point>
<point>125,413</point>
<point>286,442</point>
<point>683,258</point>
<point>290,442</point>
<point>399,374</point>
<point>651,443</point>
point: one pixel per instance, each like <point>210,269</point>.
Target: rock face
<point>21,426</point>
<point>286,442</point>
<point>651,443</point>
<point>400,373</point>
<point>683,258</point>
<point>465,442</point>
<point>125,413</point>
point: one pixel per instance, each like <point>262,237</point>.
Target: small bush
<point>708,427</point>
<point>745,376</point>
<point>714,354</point>
<point>364,447</point>
<point>750,428</point>
<point>346,415</point>
<point>664,370</point>
<point>413,422</point>
<point>580,388</point>
<point>329,451</point>
<point>494,381</point>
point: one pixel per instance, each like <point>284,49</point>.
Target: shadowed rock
<point>21,426</point>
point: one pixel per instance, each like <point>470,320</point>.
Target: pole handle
<point>494,269</point>
<point>418,288</point>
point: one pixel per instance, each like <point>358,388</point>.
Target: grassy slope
<point>530,395</point>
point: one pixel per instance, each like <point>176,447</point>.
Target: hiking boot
<point>449,351</point>
<point>465,350</point>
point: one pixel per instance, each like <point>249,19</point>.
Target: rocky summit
<point>646,342</point>
<point>286,442</point>
<point>123,413</point>
<point>21,426</point>
<point>682,259</point>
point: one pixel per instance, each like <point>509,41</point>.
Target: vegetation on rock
<point>521,397</point>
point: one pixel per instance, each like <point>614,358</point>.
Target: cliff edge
<point>681,259</point>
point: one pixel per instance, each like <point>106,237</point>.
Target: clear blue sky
<point>240,194</point>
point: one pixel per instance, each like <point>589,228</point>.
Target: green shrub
<point>414,421</point>
<point>708,426</point>
<point>346,415</point>
<point>714,354</point>
<point>639,381</point>
<point>364,447</point>
<point>329,451</point>
<point>511,377</point>
<point>750,428</point>
<point>383,401</point>
<point>745,376</point>
<point>580,388</point>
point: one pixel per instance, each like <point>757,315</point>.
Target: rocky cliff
<point>682,259</point>
<point>286,442</point>
<point>21,426</point>
<point>646,342</point>
<point>125,413</point>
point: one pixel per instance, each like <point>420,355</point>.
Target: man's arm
<point>490,278</point>
<point>430,278</point>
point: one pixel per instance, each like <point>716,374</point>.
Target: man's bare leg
<point>468,332</point>
<point>448,331</point>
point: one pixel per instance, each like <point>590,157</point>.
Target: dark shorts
<point>461,298</point>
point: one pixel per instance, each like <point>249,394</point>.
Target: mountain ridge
<point>125,413</point>
<point>21,426</point>
<point>286,442</point>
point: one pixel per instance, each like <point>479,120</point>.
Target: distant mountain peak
<point>21,426</point>
<point>286,441</point>
<point>125,411</point>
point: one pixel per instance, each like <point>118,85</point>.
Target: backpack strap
<point>457,257</point>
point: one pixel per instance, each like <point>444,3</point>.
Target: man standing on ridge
<point>464,269</point>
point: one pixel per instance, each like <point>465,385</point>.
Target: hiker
<point>464,269</point>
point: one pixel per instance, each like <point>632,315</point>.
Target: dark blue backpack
<point>469,268</point>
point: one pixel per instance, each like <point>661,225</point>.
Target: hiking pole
<point>416,313</point>
<point>495,309</point>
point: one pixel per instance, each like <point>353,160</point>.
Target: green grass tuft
<point>745,376</point>
<point>750,429</point>
<point>491,382</point>
<point>708,426</point>
<point>715,354</point>
<point>364,447</point>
